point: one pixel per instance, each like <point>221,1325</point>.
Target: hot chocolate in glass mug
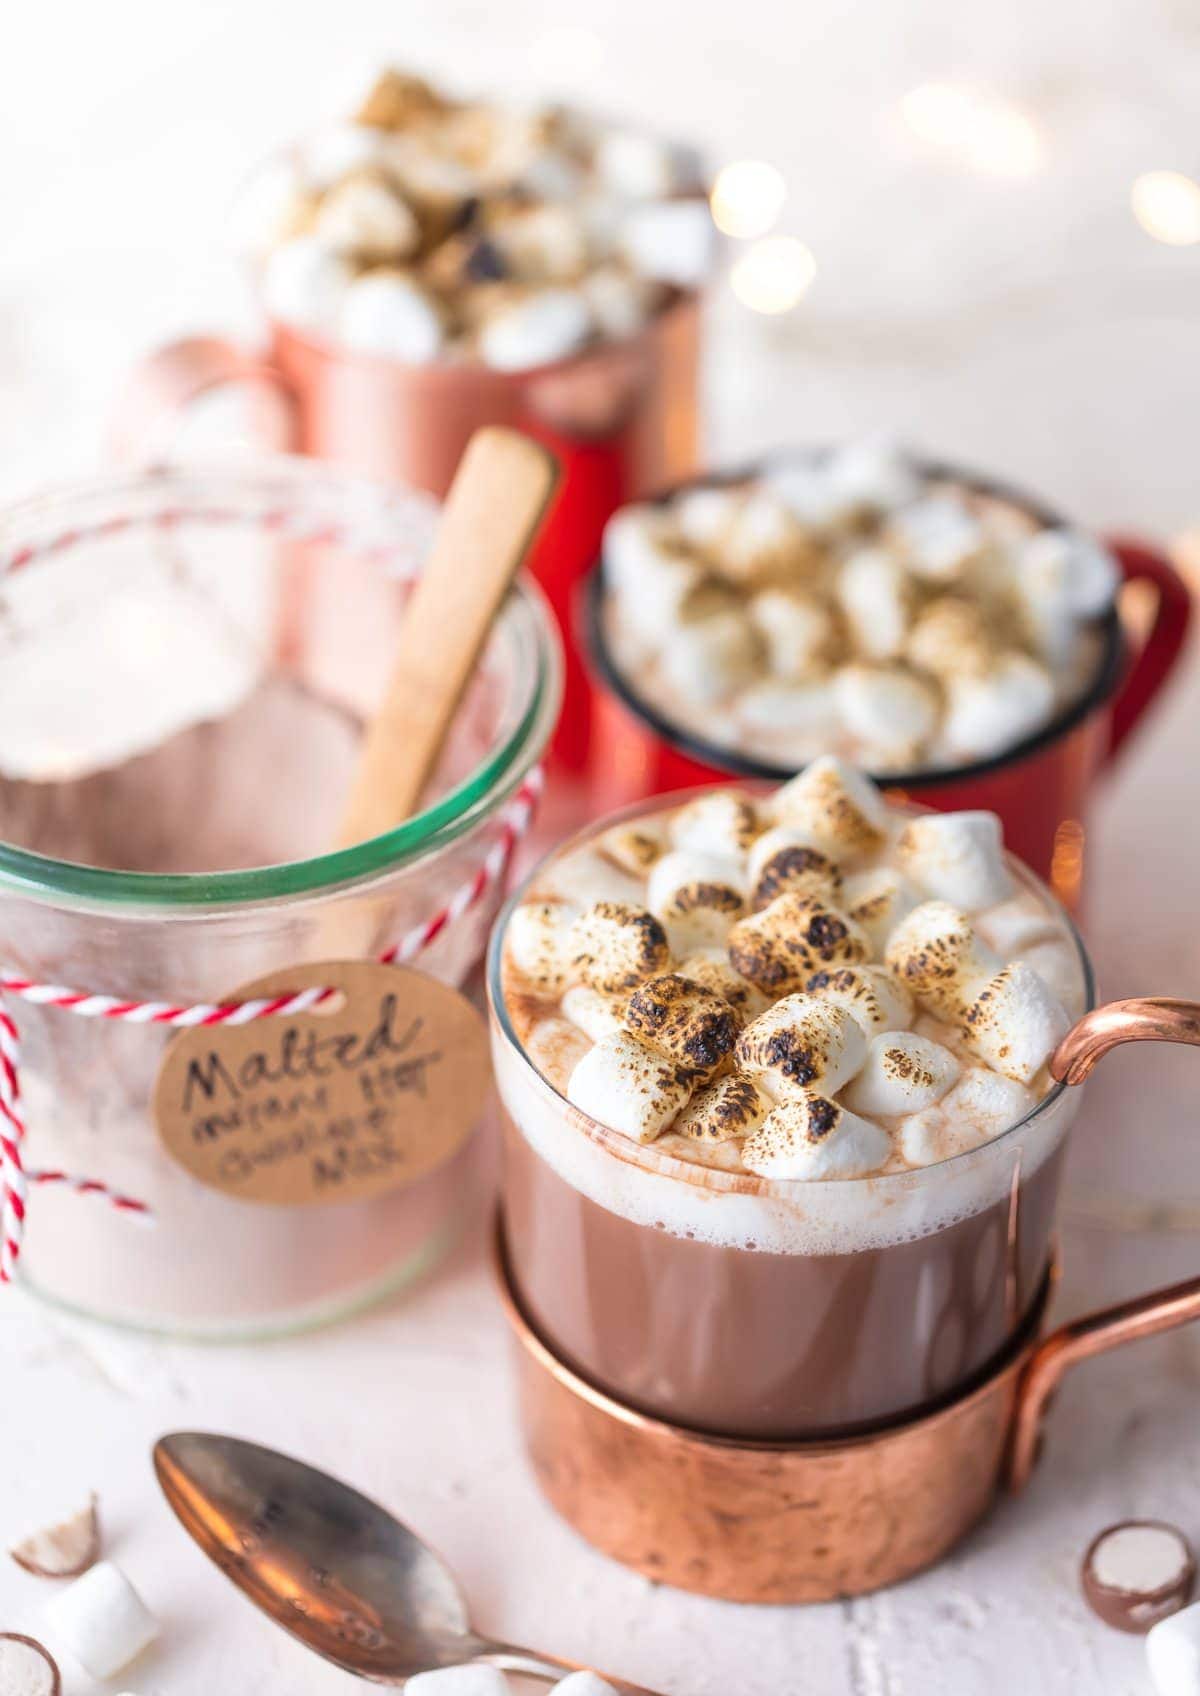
<point>951,636</point>
<point>440,264</point>
<point>786,1089</point>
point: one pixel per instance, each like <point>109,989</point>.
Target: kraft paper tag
<point>304,1109</point>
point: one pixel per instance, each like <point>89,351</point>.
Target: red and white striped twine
<point>16,1177</point>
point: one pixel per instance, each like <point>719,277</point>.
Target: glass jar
<point>187,657</point>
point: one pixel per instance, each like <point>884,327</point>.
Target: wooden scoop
<point>490,518</point>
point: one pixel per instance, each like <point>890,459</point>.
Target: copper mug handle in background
<point>165,384</point>
<point>1154,1019</point>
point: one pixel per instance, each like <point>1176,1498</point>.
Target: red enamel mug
<point>1040,787</point>
<point>621,420</point>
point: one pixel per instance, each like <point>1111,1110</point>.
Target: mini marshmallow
<point>887,710</point>
<point>637,166</point>
<point>645,571</point>
<point>102,1620</point>
<point>672,241</point>
<point>383,313</point>
<point>902,1073</point>
<point>977,1108</point>
<point>950,638</point>
<point>596,1015</point>
<point>540,943</point>
<point>338,149</point>
<point>877,901</point>
<point>635,846</point>
<point>802,1041</point>
<point>304,283</point>
<point>797,631</point>
<point>936,954</point>
<point>710,967</point>
<point>987,714</point>
<point>543,328</point>
<point>872,475</point>
<point>583,1684</point>
<point>789,709</point>
<point>1173,1653</point>
<point>871,995</point>
<point>698,897</point>
<point>938,536</point>
<point>476,1680</point>
<point>781,862</point>
<point>721,822</point>
<point>364,217</point>
<point>792,937</point>
<point>545,244</point>
<point>614,946</point>
<point>275,205</point>
<point>586,876</point>
<point>763,539</point>
<point>1072,568</point>
<point>629,1087</point>
<point>956,857</point>
<point>705,514</point>
<point>808,1136</point>
<point>732,1107</point>
<point>1014,1022</point>
<point>693,1026</point>
<point>842,811</point>
<point>873,590</point>
<point>1058,964</point>
<point>620,303</point>
<point>807,489</point>
<point>712,657</point>
<point>1017,924</point>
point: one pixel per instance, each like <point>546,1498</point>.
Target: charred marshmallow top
<point>810,985</point>
<point>851,605</point>
<point>431,228</point>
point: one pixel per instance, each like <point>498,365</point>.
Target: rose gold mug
<point>621,420</point>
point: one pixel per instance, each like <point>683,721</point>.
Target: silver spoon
<point>329,1565</point>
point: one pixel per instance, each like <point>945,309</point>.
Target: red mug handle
<point>167,382</point>
<point>1160,652</point>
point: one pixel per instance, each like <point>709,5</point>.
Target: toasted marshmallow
<point>596,1015</point>
<point>364,217</point>
<point>386,314</point>
<point>1015,1022</point>
<point>794,936</point>
<point>620,302</point>
<point>789,709</point>
<point>902,1073</point>
<point>637,166</point>
<point>956,857</point>
<point>782,862</point>
<point>977,1108</point>
<point>614,947</point>
<point>694,1026</point>
<point>102,1620</point>
<point>275,205</point>
<point>732,1107</point>
<point>721,823</point>
<point>1015,925</point>
<point>871,995</point>
<point>877,901</point>
<point>670,240</point>
<point>796,629</point>
<point>872,475</point>
<point>889,711</point>
<point>802,1042</point>
<point>705,514</point>
<point>1057,963</point>
<point>336,150</point>
<point>304,283</point>
<point>586,876</point>
<point>987,714</point>
<point>645,569</point>
<point>808,1136</point>
<point>938,537</point>
<point>950,638</point>
<point>629,1087</point>
<point>698,897</point>
<point>710,967</point>
<point>805,485</point>
<point>936,954</point>
<point>540,944</point>
<point>1071,569</point>
<point>764,537</point>
<point>711,657</point>
<point>842,811</point>
<point>543,328</point>
<point>634,846</point>
<point>873,590</point>
<point>543,244</point>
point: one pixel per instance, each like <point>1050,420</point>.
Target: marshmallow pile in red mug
<point>807,985</point>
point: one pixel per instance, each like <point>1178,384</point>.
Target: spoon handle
<point>510,1659</point>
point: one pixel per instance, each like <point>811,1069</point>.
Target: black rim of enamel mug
<point>695,747</point>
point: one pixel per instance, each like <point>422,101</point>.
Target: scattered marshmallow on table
<point>476,1680</point>
<point>1173,1653</point>
<point>102,1620</point>
<point>583,1684</point>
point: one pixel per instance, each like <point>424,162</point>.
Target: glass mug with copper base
<point>1041,787</point>
<point>621,420</point>
<point>774,1397</point>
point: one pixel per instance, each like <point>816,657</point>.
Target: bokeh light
<point>747,197</point>
<point>987,132</point>
<point>1167,206</point>
<point>773,275</point>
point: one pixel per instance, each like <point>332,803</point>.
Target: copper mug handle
<point>1151,1019</point>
